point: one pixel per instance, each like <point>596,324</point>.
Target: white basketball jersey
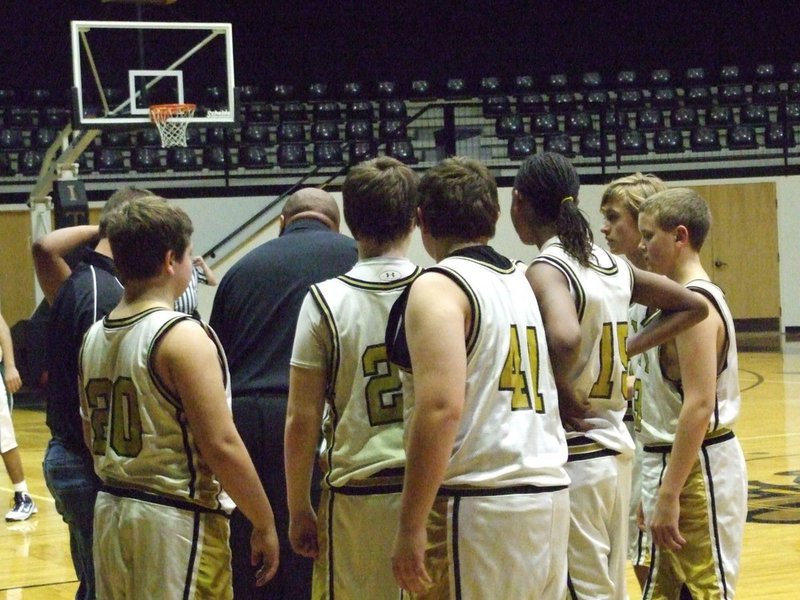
<point>602,294</point>
<point>140,436</point>
<point>341,329</point>
<point>637,313</point>
<point>664,397</point>
<point>510,431</point>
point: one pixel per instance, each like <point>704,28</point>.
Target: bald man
<point>255,313</point>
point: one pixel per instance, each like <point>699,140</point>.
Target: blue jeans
<point>73,484</point>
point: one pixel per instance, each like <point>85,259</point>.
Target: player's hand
<point>408,561</point>
<point>664,524</point>
<point>303,533</point>
<point>640,518</point>
<point>264,552</point>
<point>12,379</point>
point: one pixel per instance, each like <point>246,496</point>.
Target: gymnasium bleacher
<point>693,120</point>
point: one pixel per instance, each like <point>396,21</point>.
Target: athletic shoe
<point>24,508</point>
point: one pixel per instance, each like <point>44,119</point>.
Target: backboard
<point>121,68</point>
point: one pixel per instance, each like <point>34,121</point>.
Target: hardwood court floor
<point>35,561</point>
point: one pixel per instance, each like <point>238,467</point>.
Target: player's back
<point>510,432</point>
<point>602,292</point>
<point>140,435</point>
<point>363,428</point>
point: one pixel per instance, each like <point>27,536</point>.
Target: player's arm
<point>211,277</point>
<point>563,332</point>
<point>12,379</point>
<point>49,252</point>
<point>437,315</point>
<point>680,307</point>
<point>195,377</point>
<point>697,356</point>
<point>303,422</point>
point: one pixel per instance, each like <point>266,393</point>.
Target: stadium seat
<point>216,158</point>
<point>794,91</point>
<point>8,96</point>
<point>43,137</point>
<point>324,131</point>
<point>778,136</point>
<point>292,111</point>
<point>109,160</point>
<point>282,92</point>
<point>253,156</point>
<point>732,94</point>
<point>387,90</point>
<point>317,91</point>
<point>292,156</point>
<point>402,150</point>
<point>6,165</point>
<point>631,142</point>
<point>255,133</point>
<point>742,137</point>
<point>358,130</point>
<point>626,79</point>
<point>509,127</point>
<point>217,136</point>
<point>360,109</point>
<point>544,123</point>
<point>614,120</point>
<point>560,143</point>
<point>489,86</point>
<point>392,130</point>
<point>596,100</point>
<point>249,93</point>
<point>421,90</point>
<point>730,74</point>
<point>115,139</point>
<point>521,147</point>
<point>146,159</point>
<point>54,116</point>
<point>291,131</point>
<point>361,150</point>
<point>39,97</point>
<point>791,113</point>
<point>684,118</point>
<point>578,122</point>
<point>258,112</point>
<point>562,102</point>
<point>660,78</point>
<point>719,116</point>
<point>649,119</point>
<point>30,162</point>
<point>698,95</point>
<point>765,72</point>
<point>180,158</point>
<point>455,88</point>
<point>591,81</point>
<point>523,84</point>
<point>558,82</point>
<point>148,137</point>
<point>705,139</point>
<point>352,90</point>
<point>20,116</point>
<point>496,106</point>
<point>326,111</point>
<point>766,92</point>
<point>630,98</point>
<point>594,144</point>
<point>794,71</point>
<point>754,114</point>
<point>664,97</point>
<point>328,154</point>
<point>530,104</point>
<point>392,109</point>
<point>695,76</point>
<point>668,141</point>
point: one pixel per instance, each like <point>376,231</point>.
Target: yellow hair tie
<point>567,199</point>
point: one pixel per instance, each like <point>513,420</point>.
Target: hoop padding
<point>172,121</point>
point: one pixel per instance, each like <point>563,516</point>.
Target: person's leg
<point>73,484</point>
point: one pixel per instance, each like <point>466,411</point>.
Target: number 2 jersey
<point>341,330</point>
<point>141,439</point>
<point>602,293</point>
<point>510,432</point>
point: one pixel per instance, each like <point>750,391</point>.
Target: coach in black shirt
<point>255,314</point>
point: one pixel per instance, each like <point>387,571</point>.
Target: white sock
<point>21,487</point>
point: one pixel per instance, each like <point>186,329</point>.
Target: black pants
<point>260,421</point>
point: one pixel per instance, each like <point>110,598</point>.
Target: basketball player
<point>157,420</point>
<point>584,293</point>
<point>485,506</point>
<point>620,208</point>
<point>694,481</point>
<point>340,367</point>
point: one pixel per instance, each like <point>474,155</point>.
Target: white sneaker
<point>24,508</point>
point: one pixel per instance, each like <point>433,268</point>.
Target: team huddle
<point>484,428</point>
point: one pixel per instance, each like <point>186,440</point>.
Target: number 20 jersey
<point>141,439</point>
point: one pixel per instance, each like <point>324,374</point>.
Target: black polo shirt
<point>90,293</point>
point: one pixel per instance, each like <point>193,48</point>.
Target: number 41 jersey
<point>140,436</point>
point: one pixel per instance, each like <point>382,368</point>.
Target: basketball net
<point>172,121</point>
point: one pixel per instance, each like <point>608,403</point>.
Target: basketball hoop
<point>172,121</point>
